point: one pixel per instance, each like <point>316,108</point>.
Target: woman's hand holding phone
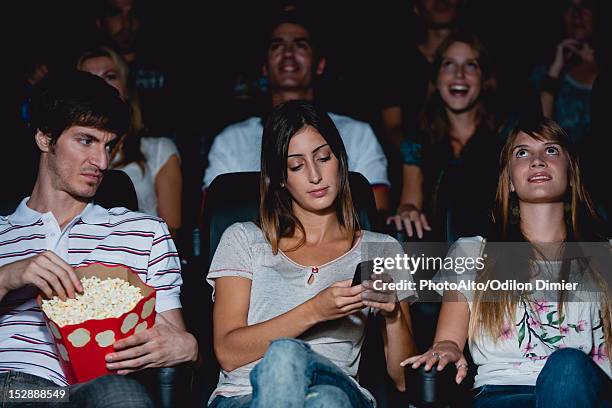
<point>377,294</point>
<point>338,300</point>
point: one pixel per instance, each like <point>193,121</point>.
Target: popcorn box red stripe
<point>82,347</point>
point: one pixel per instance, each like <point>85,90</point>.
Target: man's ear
<point>321,66</point>
<point>42,141</point>
<point>264,70</point>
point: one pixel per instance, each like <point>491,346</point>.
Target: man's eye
<point>85,141</point>
<point>274,46</point>
<point>110,77</point>
<point>521,153</point>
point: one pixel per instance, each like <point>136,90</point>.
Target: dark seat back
<point>116,190</point>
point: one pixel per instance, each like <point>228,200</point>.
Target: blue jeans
<point>292,375</point>
<point>108,391</point>
<point>570,378</point>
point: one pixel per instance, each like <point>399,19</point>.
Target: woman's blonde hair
<point>128,148</point>
<point>491,312</point>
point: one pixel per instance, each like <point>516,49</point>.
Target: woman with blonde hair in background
<point>152,163</point>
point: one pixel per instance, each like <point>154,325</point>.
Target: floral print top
<point>520,352</point>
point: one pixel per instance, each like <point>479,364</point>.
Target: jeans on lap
<point>569,378</point>
<point>108,391</point>
<point>292,375</point>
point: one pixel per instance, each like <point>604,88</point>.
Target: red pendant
<point>315,269</point>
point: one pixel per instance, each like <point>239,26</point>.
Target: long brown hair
<point>276,211</point>
<point>128,149</point>
<point>492,311</point>
<point>434,118</point>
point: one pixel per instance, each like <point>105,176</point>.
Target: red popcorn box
<point>82,347</point>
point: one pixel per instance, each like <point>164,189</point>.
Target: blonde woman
<point>531,350</point>
<point>153,163</point>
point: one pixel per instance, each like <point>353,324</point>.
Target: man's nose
<point>100,158</point>
<point>127,21</point>
<point>289,49</point>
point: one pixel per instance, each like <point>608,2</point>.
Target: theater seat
<point>116,190</point>
<point>234,197</point>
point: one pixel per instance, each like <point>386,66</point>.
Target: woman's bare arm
<point>399,343</point>
<point>169,188</point>
<point>451,336</point>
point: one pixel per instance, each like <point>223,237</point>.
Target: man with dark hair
<point>77,118</point>
<point>293,61</point>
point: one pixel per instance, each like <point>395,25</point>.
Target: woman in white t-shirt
<point>152,163</point>
<point>288,326</point>
<point>534,346</point>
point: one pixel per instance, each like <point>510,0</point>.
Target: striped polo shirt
<point>115,236</point>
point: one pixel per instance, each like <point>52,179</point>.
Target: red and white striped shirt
<point>116,236</point>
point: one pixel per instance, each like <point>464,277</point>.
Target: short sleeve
<point>382,252</point>
<point>460,267</point>
<point>164,270</point>
<point>165,149</point>
<point>233,256</point>
<point>370,160</point>
<point>411,151</point>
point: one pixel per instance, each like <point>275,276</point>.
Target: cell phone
<point>361,269</point>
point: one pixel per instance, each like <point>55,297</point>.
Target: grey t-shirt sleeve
<point>386,247</point>
<point>233,256</point>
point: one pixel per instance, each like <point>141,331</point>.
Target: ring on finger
<point>436,355</point>
<point>461,365</point>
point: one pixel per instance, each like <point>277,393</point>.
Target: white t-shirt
<point>238,148</point>
<point>519,354</point>
<point>278,285</point>
<point>157,151</point>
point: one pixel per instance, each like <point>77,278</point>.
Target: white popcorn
<point>100,299</point>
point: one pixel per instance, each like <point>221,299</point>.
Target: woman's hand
<point>382,298</point>
<point>441,353</point>
<point>407,215</point>
<point>337,301</point>
<point>565,50</point>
